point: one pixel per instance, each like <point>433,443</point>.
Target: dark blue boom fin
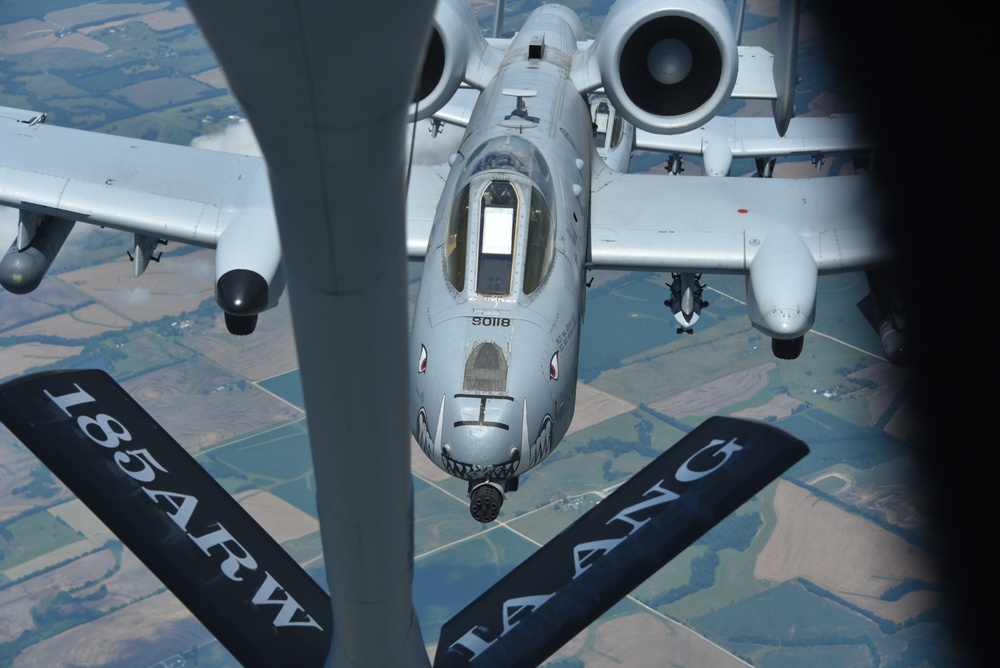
<point>578,575</point>
<point>182,524</point>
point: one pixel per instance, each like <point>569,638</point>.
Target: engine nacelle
<point>668,65</point>
<point>453,30</point>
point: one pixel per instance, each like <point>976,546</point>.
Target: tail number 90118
<point>489,321</point>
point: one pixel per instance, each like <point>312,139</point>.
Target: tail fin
<point>582,572</point>
<point>162,504</point>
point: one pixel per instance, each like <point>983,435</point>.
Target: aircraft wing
<point>704,224</point>
<point>422,197</point>
<point>458,110</point>
<point>749,137</point>
<point>118,182</point>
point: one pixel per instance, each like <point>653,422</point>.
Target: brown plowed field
<point>847,555</point>
<point>711,397</point>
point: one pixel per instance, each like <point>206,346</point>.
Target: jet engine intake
<point>446,58</point>
<point>668,65</point>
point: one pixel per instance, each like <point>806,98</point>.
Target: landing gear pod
<point>781,291</point>
<point>240,325</point>
<point>21,271</point>
<point>249,278</point>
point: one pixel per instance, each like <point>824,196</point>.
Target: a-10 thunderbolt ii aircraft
<point>510,226</point>
<point>342,232</point>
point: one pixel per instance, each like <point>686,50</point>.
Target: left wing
<point>780,233</point>
<point>750,137</point>
<point>654,223</point>
<point>723,138</point>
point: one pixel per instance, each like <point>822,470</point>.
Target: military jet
<point>508,230</point>
<point>536,195</point>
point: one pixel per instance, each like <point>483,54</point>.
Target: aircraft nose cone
<point>480,437</point>
<point>669,61</point>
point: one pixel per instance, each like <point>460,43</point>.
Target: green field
<point>287,386</point>
<point>446,582</point>
<point>37,534</point>
<point>280,454</point>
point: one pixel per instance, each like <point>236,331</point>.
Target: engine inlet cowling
<point>668,66</point>
<point>446,58</point>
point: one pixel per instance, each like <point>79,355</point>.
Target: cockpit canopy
<point>509,154</point>
<point>504,175</point>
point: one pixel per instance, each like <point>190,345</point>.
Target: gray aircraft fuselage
<point>496,330</point>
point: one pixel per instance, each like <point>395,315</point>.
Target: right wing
<point>172,192</point>
<point>159,192</point>
<point>56,176</point>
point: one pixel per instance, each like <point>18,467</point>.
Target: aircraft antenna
<point>785,64</point>
<point>498,20</point>
<point>413,144</point>
<point>740,13</point>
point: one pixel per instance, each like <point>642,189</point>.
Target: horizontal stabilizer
<point>172,514</point>
<point>582,572</point>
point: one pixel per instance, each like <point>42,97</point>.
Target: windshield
<point>498,226</point>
